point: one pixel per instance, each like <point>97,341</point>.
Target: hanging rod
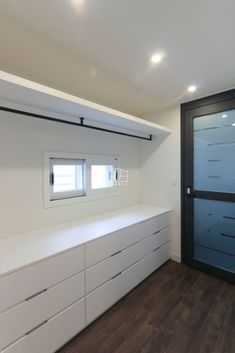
<point>81,124</point>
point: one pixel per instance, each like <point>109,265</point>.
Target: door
<point>208,184</point>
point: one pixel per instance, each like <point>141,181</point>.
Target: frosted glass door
<point>214,233</point>
<point>214,152</point>
<point>214,174</point>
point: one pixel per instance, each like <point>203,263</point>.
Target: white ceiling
<point>118,37</point>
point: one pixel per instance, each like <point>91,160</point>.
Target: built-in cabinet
<point>44,304</point>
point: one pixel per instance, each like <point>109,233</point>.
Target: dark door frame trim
<point>204,106</point>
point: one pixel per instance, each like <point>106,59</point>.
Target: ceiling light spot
<point>78,5</point>
<point>233,124</point>
<point>224,116</point>
<point>192,88</point>
<point>156,58</point>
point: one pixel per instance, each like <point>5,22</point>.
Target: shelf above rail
<point>18,94</point>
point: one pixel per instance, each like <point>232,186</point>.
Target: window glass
<point>67,178</point>
<point>102,176</point>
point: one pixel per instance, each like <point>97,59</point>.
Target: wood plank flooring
<point>175,310</point>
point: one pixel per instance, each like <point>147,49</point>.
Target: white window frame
<point>67,194</point>
<point>88,160</point>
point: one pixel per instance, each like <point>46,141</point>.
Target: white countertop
<point>25,249</point>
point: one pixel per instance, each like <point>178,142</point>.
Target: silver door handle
<point>188,190</point>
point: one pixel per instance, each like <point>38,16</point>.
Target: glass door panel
<point>214,233</point>
<point>214,152</point>
<point>214,172</point>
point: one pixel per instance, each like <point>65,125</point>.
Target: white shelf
<point>21,94</point>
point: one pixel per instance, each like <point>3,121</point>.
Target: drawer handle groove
<point>160,230</point>
<point>37,327</point>
<point>116,253</point>
<point>157,232</point>
<point>156,249</point>
<point>116,275</point>
<point>35,295</point>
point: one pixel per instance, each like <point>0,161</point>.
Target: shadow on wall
<point>160,179</point>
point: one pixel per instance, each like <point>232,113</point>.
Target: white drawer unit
<point>105,247</point>
<point>54,333</point>
<point>20,285</point>
<point>131,277</point>
<point>46,302</point>
<point>154,260</point>
<point>101,299</point>
<point>19,320</point>
<point>105,270</point>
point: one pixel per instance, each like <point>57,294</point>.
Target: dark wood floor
<point>175,310</point>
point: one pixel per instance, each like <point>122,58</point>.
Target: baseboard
<point>176,257</point>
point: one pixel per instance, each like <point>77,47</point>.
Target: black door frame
<point>209,105</point>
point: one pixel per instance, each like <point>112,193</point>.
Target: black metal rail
<point>80,124</point>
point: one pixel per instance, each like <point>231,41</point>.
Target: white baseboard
<point>176,257</point>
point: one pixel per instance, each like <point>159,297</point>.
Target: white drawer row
<point>25,317</point>
<point>107,269</point>
<point>43,305</point>
<point>105,247</point>
<point>23,284</point>
<point>50,334</point>
<point>105,296</point>
<point>54,333</point>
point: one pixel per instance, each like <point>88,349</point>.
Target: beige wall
<point>160,171</point>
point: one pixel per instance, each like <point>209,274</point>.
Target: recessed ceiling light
<point>78,5</point>
<point>192,89</point>
<point>224,116</point>
<point>156,58</point>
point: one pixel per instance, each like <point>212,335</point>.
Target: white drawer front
<point>49,337</point>
<point>105,270</point>
<point>131,277</point>
<point>103,248</point>
<point>18,286</point>
<point>19,320</point>
<point>135,274</point>
<point>153,261</point>
<point>98,301</point>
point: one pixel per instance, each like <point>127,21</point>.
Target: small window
<point>71,178</point>
<point>67,178</point>
<point>102,176</point>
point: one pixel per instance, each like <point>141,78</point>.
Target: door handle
<point>191,192</point>
<point>188,191</point>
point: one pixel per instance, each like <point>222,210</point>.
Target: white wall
<point>22,143</point>
<point>160,171</point>
<point>153,168</point>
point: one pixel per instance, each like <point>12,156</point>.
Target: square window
<point>67,178</point>
<point>102,176</point>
